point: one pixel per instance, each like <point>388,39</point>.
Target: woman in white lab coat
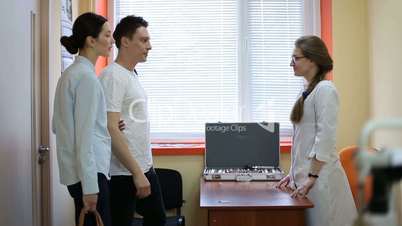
<point>315,168</point>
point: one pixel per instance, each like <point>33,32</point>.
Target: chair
<point>346,157</point>
<point>172,191</point>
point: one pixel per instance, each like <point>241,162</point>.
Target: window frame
<point>323,28</point>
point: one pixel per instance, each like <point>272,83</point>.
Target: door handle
<point>43,153</point>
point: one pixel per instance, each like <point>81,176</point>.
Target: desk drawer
<point>256,217</point>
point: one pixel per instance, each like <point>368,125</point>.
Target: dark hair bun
<point>70,44</point>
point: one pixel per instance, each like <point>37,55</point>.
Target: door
<point>24,185</point>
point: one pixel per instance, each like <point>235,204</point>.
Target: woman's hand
<point>122,125</point>
<point>304,188</point>
<point>90,202</point>
<point>283,184</point>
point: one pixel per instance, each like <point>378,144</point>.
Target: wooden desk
<point>232,203</point>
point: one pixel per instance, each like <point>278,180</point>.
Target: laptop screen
<point>234,145</point>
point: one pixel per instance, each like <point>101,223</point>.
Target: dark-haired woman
<point>315,168</point>
<point>80,121</point>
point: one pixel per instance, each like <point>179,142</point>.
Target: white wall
<point>351,69</point>
<point>385,65</point>
<point>385,46</point>
<point>16,159</point>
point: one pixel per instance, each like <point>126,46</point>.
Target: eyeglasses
<point>296,58</point>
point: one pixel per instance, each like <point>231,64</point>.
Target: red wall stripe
<point>326,26</point>
<point>101,9</point>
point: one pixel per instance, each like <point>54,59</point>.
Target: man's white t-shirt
<point>124,94</point>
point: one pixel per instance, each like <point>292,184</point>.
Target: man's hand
<point>90,202</point>
<point>304,188</point>
<point>142,185</point>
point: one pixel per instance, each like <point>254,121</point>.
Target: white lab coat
<point>315,135</point>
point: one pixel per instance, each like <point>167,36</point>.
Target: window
<point>220,60</point>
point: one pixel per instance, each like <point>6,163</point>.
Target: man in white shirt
<point>134,185</point>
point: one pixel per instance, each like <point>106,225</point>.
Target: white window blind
<point>273,26</point>
<point>217,60</point>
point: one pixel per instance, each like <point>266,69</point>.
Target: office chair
<point>346,157</point>
<point>172,191</point>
